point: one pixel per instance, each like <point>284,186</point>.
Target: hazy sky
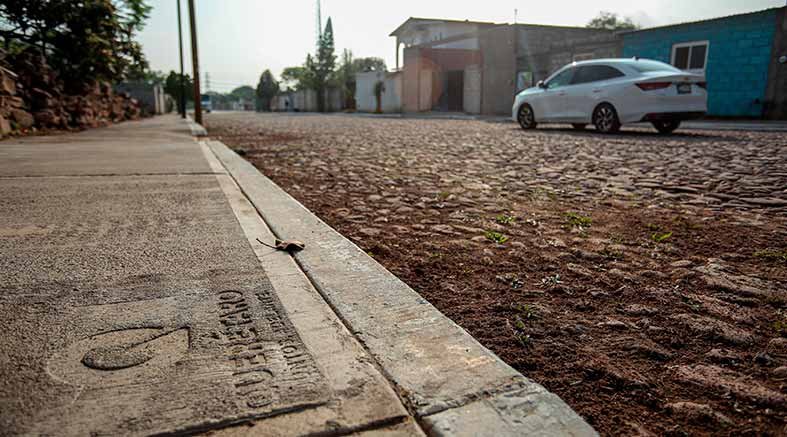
<point>238,39</point>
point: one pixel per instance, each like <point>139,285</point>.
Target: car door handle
<point>597,90</point>
<point>562,93</point>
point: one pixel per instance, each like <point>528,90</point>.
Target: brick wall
<point>738,57</point>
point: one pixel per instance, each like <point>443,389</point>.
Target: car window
<point>561,79</point>
<point>643,66</point>
<point>595,73</point>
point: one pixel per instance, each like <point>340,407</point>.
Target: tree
<point>349,67</point>
<point>149,76</point>
<point>244,92</point>
<point>267,88</point>
<point>345,78</point>
<point>321,69</point>
<point>84,40</point>
<point>611,21</point>
<point>295,78</point>
<point>369,64</point>
<point>379,89</point>
<point>172,87</point>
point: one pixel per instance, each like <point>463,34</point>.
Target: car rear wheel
<point>578,126</point>
<point>605,118</point>
<point>666,127</point>
<point>526,117</point>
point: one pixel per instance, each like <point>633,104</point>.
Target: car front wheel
<point>666,127</point>
<point>605,118</point>
<point>526,117</point>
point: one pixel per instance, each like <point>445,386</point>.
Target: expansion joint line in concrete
<point>109,175</point>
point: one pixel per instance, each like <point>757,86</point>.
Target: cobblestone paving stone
<point>640,277</point>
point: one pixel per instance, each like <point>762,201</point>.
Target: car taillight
<point>703,85</point>
<point>650,86</point>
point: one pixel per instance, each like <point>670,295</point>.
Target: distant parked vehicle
<point>611,92</point>
<point>207,103</point>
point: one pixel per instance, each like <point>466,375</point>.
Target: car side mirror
<point>541,84</point>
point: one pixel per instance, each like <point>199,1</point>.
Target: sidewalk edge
<point>452,383</point>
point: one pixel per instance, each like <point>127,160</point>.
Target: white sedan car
<point>610,92</point>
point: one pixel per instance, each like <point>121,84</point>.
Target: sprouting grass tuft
<point>577,220</point>
<point>661,237</point>
<point>504,219</point>
<point>496,237</point>
<point>771,255</point>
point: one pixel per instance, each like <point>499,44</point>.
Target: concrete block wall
<point>498,70</point>
<point>472,89</point>
<point>365,99</point>
<point>543,50</point>
<point>776,93</point>
<point>739,56</point>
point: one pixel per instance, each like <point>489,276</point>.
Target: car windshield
<point>650,66</point>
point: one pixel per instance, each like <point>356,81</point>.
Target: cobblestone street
<point>640,277</point>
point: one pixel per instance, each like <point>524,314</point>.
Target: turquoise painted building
<point>737,55</point>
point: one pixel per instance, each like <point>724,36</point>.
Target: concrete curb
<point>448,381</point>
<point>197,130</point>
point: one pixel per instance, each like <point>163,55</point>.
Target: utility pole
<point>195,64</point>
<point>207,82</point>
<point>319,24</point>
<point>182,99</point>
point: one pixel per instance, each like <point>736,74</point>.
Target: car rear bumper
<point>673,116</point>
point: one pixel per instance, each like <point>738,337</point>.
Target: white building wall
<point>365,99</point>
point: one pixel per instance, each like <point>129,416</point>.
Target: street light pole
<point>182,97</point>
<point>195,65</point>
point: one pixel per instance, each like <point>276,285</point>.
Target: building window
<point>583,57</point>
<point>690,56</point>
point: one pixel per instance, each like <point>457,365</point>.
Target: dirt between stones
<point>650,310</point>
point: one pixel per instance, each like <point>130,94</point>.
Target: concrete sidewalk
<point>137,301</point>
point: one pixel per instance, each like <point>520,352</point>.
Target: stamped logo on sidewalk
<point>182,363</point>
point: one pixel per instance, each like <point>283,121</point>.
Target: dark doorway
<point>452,98</point>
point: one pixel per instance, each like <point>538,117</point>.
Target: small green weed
<point>617,239</point>
<point>780,325</point>
<point>612,254</point>
<point>576,220</point>
<point>443,195</point>
<point>527,312</point>
<point>504,219</point>
<point>660,237</point>
<point>772,255</point>
<point>520,332</point>
<point>496,237</point>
